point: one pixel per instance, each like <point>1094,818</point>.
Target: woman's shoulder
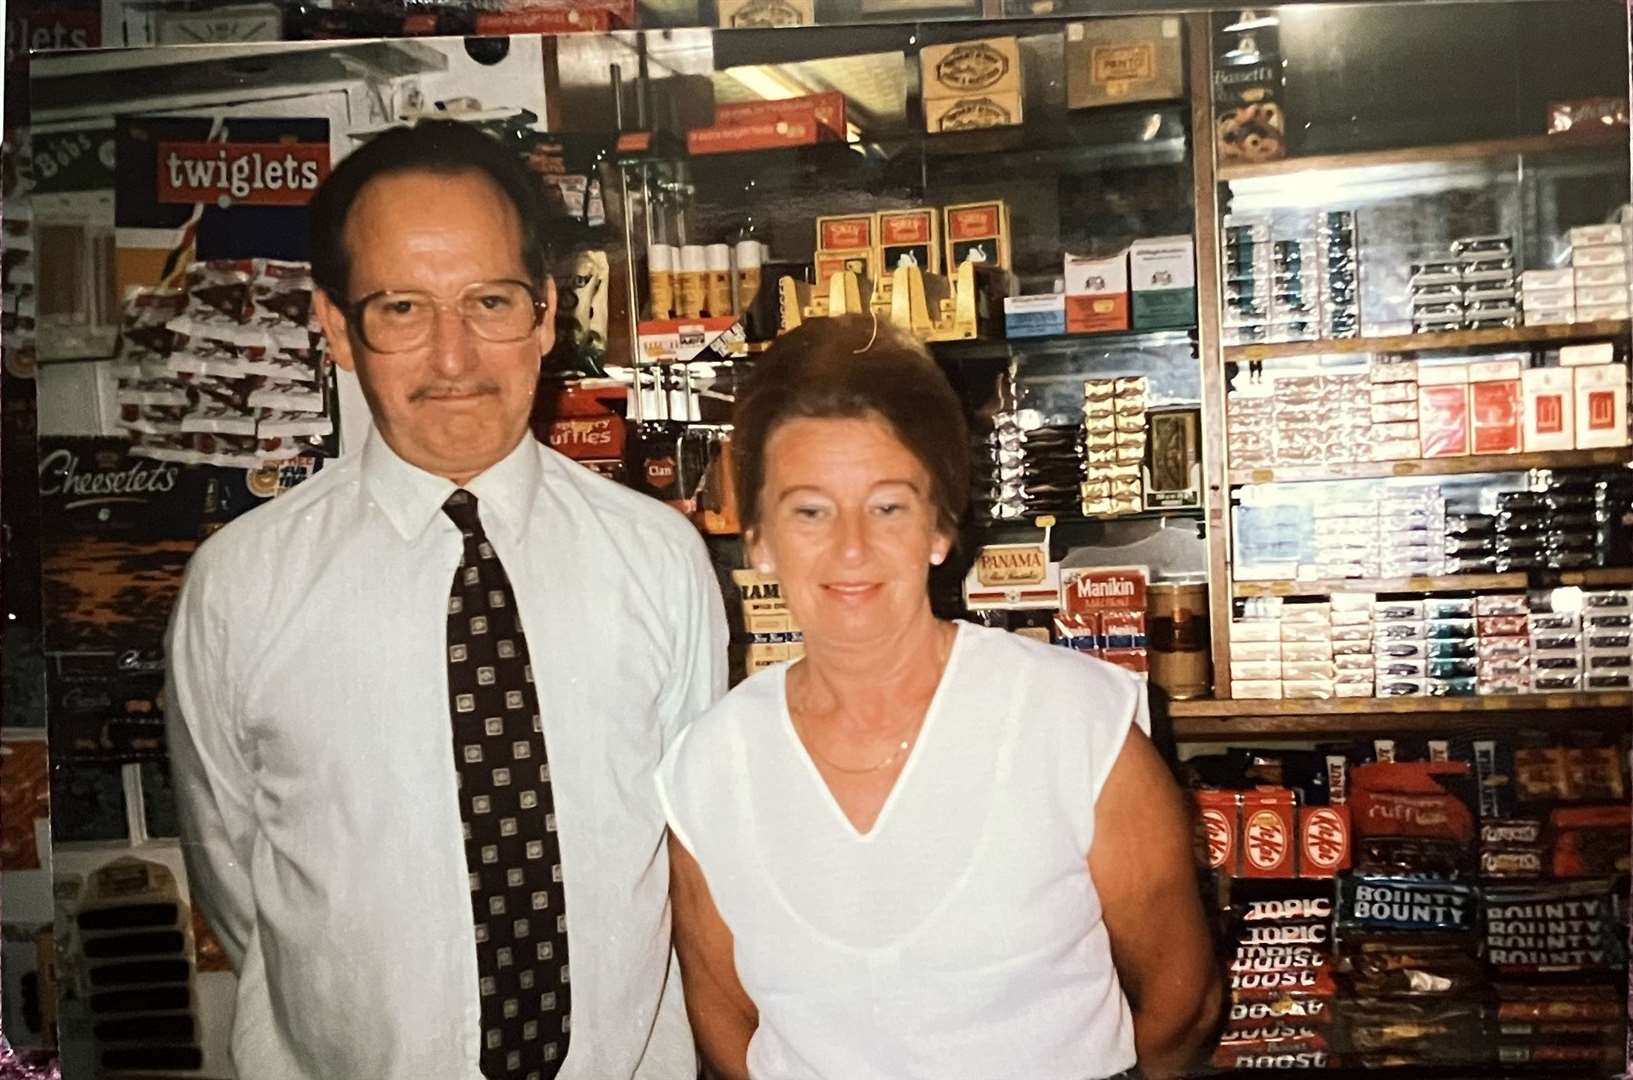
<point>757,699</point>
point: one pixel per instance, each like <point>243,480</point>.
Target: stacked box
<point>1443,410</point>
<point>1471,543</point>
<point>1547,529</point>
<point>1475,289</point>
<point>1250,418</point>
<point>1600,405</point>
<point>1451,646</point>
<point>1411,531</point>
<point>1300,283</point>
<point>1255,650</point>
<point>1548,297</point>
<point>1025,467</point>
<point>1319,419</point>
<point>1113,445</point>
<point>1599,260</point>
<point>1345,538</point>
<point>1555,632</point>
<point>1503,644</point>
<point>1607,631</point>
<point>1496,407</point>
<point>1392,397</point>
<point>773,635</point>
<point>1103,613</point>
<point>1247,281</point>
<point>1400,648</point>
<point>1340,274</point>
<point>1352,632</point>
<point>1306,651</point>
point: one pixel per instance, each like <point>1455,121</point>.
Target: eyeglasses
<point>393,321</point>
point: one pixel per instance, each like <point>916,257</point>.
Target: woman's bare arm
<point>723,1018</point>
<point>1142,867</point>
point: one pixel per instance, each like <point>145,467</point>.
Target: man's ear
<point>335,328</point>
<point>546,333</point>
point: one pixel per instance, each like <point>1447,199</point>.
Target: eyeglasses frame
<point>354,310</point>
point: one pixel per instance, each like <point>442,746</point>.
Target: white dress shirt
<point>309,729</point>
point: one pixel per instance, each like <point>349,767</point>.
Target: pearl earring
<point>763,567</point>
<point>936,557</point>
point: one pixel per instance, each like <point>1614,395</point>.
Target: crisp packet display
<point>228,369</point>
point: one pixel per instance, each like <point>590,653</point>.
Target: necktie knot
<point>461,510</point>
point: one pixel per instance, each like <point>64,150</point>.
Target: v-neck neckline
<point>826,793</point>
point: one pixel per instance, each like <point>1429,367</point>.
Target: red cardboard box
<point>1267,833</point>
<point>1324,846</point>
<point>1219,822</point>
<point>1497,412</point>
<point>827,110</point>
<point>1443,420</point>
<point>588,422</point>
<point>761,135</point>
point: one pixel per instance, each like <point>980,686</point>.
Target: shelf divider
<point>1452,339</point>
<point>1446,466</point>
<point>1591,138</point>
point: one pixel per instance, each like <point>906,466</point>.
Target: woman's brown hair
<point>850,367</point>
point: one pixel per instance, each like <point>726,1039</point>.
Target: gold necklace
<point>901,748</point>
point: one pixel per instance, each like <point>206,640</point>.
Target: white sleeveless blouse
<point>960,937</point>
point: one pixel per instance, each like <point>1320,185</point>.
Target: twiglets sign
<point>250,174</point>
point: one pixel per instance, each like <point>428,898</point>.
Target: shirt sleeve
<point>211,781</point>
<point>1131,709</point>
<point>699,676</point>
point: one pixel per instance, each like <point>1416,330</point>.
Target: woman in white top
<point>926,849</point>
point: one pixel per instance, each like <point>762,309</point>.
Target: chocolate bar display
<point>228,370</point>
<point>1459,935</point>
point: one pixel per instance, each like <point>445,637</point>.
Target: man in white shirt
<point>369,801</point>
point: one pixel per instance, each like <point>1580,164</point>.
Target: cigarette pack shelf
<point>1592,285</point>
<point>1414,902</point>
<point>1474,289</point>
<point>1400,409</point>
<point>1297,281</point>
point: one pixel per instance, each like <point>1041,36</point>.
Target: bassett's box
<point>1162,279</point>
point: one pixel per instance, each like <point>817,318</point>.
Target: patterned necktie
<point>505,801</point>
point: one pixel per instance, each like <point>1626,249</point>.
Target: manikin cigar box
<point>1601,405</point>
<point>765,14</point>
<point>1550,408</point>
<point>1117,61</point>
<point>977,232</point>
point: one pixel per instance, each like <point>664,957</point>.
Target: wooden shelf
<point>1597,577</point>
<point>1219,721</point>
<point>1447,466</point>
<point>1485,150</point>
<point>1426,584</point>
<point>1452,339</point>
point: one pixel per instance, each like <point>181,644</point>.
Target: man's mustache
<point>425,393</point>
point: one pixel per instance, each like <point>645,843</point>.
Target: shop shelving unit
<point>1217,184</point>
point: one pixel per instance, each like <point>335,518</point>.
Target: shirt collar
<point>412,498</point>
